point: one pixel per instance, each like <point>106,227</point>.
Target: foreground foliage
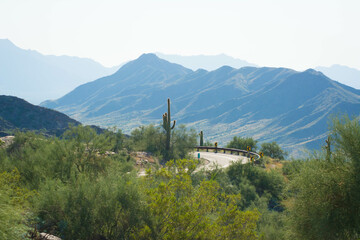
<point>181,210</point>
<point>14,206</point>
<point>327,190</point>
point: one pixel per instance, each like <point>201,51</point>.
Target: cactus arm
<point>173,124</point>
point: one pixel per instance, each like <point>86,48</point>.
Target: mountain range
<point>36,77</point>
<point>16,113</point>
<point>269,104</point>
<point>343,74</point>
<point>207,62</point>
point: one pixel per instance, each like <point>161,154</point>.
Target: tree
<point>108,207</point>
<point>327,189</point>
<point>242,143</point>
<point>14,206</point>
<point>183,211</point>
<point>273,150</point>
<point>250,178</point>
<point>151,139</point>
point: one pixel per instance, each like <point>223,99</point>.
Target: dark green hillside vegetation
<point>16,113</point>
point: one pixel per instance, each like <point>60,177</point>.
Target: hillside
<point>16,113</point>
<point>37,77</point>
<point>269,104</point>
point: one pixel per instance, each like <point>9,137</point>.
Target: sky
<point>298,34</point>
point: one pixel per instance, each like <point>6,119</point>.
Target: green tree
<point>183,211</point>
<point>151,139</point>
<point>249,178</point>
<point>242,143</point>
<point>108,207</point>
<point>327,189</point>
<point>273,150</point>
<point>14,206</point>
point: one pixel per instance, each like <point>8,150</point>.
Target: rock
<point>7,140</point>
<point>47,236</point>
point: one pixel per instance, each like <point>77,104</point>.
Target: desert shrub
<point>246,175</point>
<point>152,139</point>
<point>326,190</point>
<point>109,207</point>
<point>292,167</point>
<point>14,207</point>
<point>242,143</point>
<point>181,210</point>
<point>273,150</point>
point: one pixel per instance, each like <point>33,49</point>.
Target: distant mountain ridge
<point>343,74</point>
<point>270,104</point>
<point>16,113</point>
<point>36,77</point>
<point>207,62</point>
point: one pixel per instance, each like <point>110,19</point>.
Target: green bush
<point>181,210</point>
<point>152,139</point>
<point>109,207</point>
<point>242,143</point>
<point>245,175</point>
<point>14,206</point>
<point>327,190</point>
<point>292,168</point>
<point>273,150</point>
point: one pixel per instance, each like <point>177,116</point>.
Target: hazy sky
<point>297,34</point>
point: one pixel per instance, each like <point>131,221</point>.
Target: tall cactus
<point>201,138</point>
<point>328,148</point>
<point>167,126</point>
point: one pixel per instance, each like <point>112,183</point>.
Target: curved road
<point>221,159</point>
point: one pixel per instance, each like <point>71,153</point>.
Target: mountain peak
<point>149,59</point>
<point>152,62</point>
<point>313,71</point>
<point>148,56</point>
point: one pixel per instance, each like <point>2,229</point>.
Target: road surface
<point>220,159</point>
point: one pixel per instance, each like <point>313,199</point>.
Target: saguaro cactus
<point>328,148</point>
<point>201,138</point>
<point>167,126</point>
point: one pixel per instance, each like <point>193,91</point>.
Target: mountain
<point>270,104</point>
<point>207,62</point>
<point>16,113</point>
<point>36,77</point>
<point>343,74</point>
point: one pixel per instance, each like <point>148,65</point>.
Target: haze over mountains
<point>206,62</point>
<point>37,77</point>
<point>269,104</point>
<point>345,75</point>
